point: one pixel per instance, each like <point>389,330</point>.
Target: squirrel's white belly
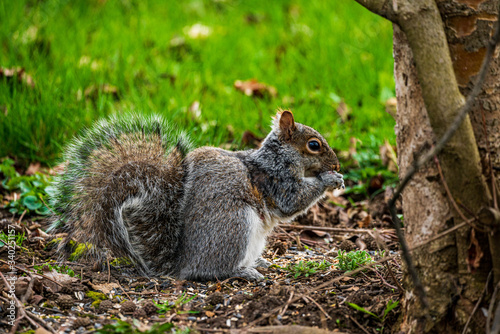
<point>257,238</point>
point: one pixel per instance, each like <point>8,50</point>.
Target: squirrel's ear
<point>287,123</point>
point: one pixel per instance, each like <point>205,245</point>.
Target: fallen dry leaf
<point>250,139</point>
<point>198,31</point>
<point>194,110</point>
<point>474,253</point>
<point>254,88</point>
<point>388,157</point>
<point>93,91</point>
<point>344,111</point>
<point>33,168</point>
<point>391,106</point>
<point>105,288</point>
<point>365,222</point>
<point>18,74</point>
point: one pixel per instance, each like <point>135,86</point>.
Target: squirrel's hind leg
<point>250,274</point>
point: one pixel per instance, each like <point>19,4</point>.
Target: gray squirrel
<point>134,186</point>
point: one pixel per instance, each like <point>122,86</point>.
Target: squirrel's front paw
<point>333,179</point>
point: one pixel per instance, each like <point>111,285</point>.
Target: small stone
<point>105,306</point>
<point>81,322</point>
<point>191,318</point>
<point>128,306</point>
<point>65,302</point>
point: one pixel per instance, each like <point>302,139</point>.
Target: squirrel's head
<point>314,153</point>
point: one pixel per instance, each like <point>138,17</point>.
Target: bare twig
<point>400,288</point>
<point>440,235</point>
<point>28,290</point>
<point>433,152</point>
<point>359,325</point>
<point>33,273</point>
<point>477,304</point>
<point>318,305</point>
<point>448,192</point>
<point>23,313</point>
<point>331,229</point>
<point>322,286</point>
<point>287,304</point>
<point>21,218</point>
<point>490,309</point>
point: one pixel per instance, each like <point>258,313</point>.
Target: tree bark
<point>453,269</point>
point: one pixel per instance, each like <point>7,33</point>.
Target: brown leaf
<point>59,169</point>
<point>33,168</point>
<point>365,222</point>
<point>474,253</point>
<point>250,139</point>
<point>209,314</point>
<point>344,111</point>
<point>388,157</point>
<point>352,146</point>
<point>314,236</point>
<point>375,183</point>
<point>93,91</point>
<point>254,88</point>
<point>19,74</point>
<point>194,110</point>
<point>391,106</point>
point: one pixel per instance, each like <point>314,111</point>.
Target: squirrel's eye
<point>314,145</point>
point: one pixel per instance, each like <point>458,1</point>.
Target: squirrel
<point>136,187</point>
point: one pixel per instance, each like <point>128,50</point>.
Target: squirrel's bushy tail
<point>121,188</point>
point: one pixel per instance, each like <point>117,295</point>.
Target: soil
<point>55,299</point>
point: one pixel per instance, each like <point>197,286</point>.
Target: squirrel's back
<point>121,187</point>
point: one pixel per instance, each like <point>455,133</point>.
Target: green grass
<point>313,52</point>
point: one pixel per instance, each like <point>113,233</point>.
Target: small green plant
<point>389,307</point>
<point>125,328</point>
<point>307,268</point>
<point>352,260</point>
<point>183,299</point>
<point>18,237</point>
<point>33,189</point>
<point>368,165</point>
<point>60,269</point>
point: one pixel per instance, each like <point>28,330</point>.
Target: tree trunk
<point>453,281</point>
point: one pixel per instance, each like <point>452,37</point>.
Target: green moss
<point>96,296</point>
<point>79,250</point>
<point>121,261</point>
<point>96,303</point>
<point>53,242</point>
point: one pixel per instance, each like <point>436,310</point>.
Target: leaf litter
<point>84,296</point>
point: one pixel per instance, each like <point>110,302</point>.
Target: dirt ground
<point>82,297</point>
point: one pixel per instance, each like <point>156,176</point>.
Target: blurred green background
<point>88,59</point>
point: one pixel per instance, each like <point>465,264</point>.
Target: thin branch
<point>429,155</point>
<point>478,303</point>
<point>490,308</point>
<point>332,229</point>
<point>448,192</point>
<point>320,287</point>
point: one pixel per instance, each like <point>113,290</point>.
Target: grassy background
<point>315,53</point>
